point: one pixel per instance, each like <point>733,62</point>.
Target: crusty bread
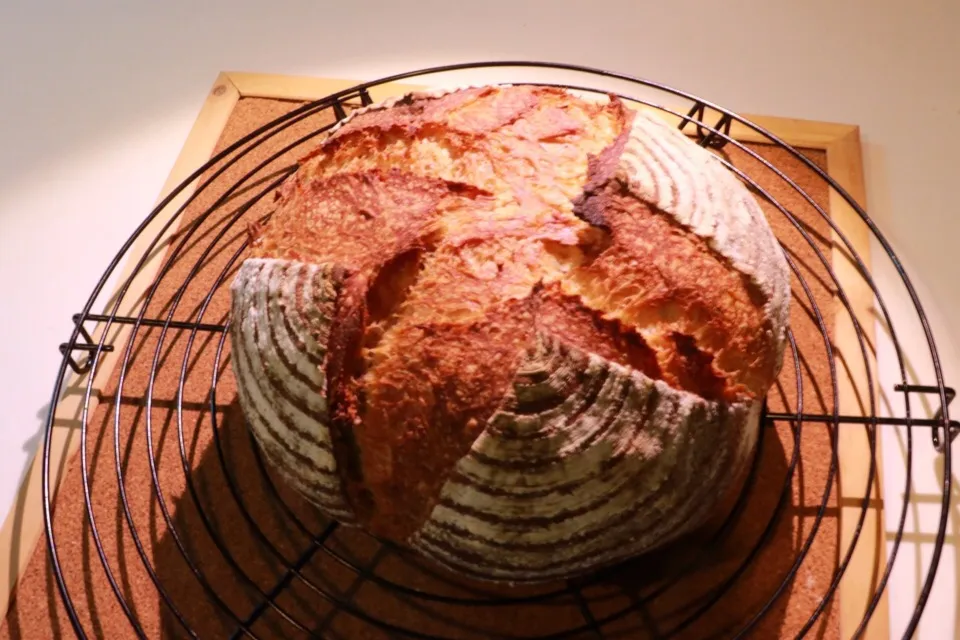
<point>524,333</point>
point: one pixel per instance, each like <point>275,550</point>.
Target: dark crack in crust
<point>601,169</point>
<point>705,321</point>
<point>568,320</point>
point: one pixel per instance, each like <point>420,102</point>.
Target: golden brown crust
<point>356,219</point>
<point>422,412</point>
<point>476,111</point>
<point>463,225</point>
<point>705,320</point>
<point>566,318</point>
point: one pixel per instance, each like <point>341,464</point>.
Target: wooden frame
<point>23,526</point>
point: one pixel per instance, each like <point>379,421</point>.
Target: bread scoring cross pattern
<point>525,333</point>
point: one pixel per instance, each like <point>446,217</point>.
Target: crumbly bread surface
<point>488,242</point>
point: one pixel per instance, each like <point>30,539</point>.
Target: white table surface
<point>97,97</point>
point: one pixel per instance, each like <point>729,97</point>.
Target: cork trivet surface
<point>241,532</point>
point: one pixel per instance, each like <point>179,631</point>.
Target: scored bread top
<point>467,223</point>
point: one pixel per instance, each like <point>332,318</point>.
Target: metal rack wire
<point>294,569</point>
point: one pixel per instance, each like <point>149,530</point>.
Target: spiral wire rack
<point>293,569</point>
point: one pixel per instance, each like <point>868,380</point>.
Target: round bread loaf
<point>525,333</point>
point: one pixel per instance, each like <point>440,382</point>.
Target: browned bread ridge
<point>525,333</point>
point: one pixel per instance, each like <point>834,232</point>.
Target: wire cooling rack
<point>296,571</point>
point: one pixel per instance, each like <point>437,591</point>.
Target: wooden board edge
<point>23,526</point>
<point>305,88</point>
<point>869,560</point>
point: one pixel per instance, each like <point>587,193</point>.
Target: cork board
<point>194,488</point>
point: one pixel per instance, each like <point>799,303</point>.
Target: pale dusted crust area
<point>660,167</point>
<point>550,338</point>
<point>587,463</point>
<point>281,326</point>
